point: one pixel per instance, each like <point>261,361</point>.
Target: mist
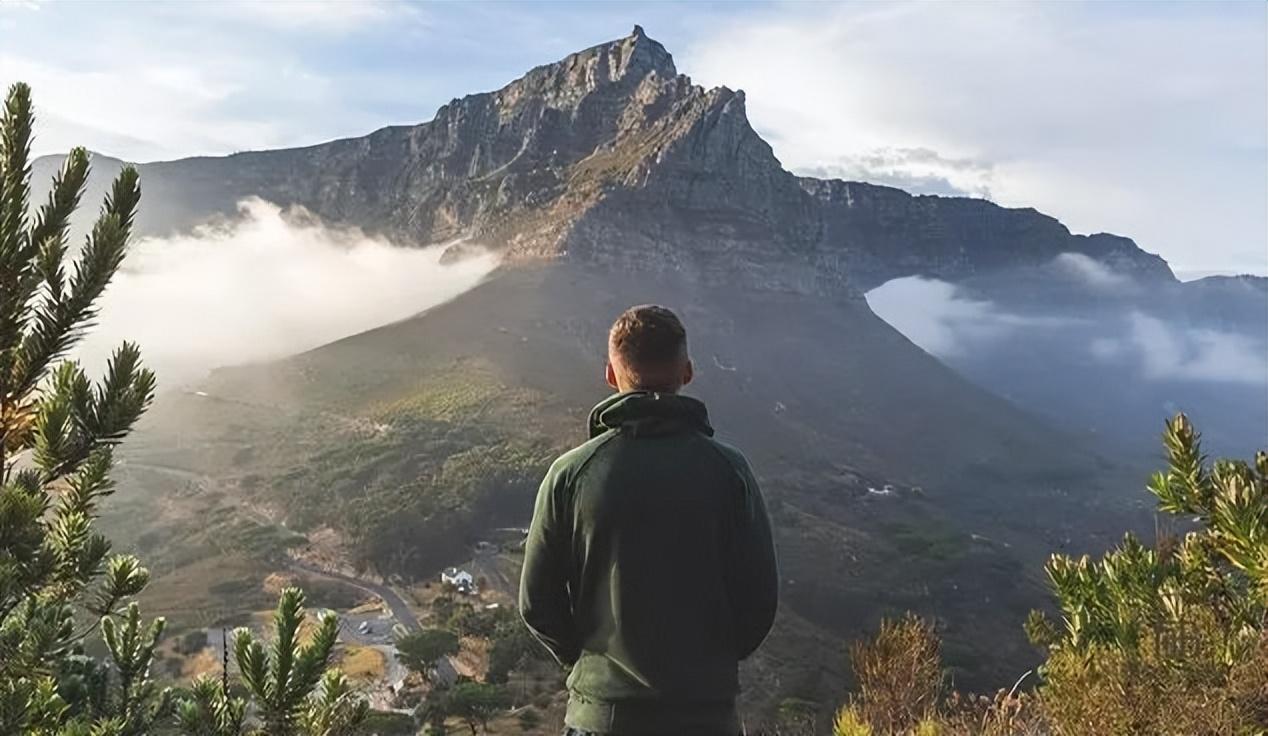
<point>1094,350</point>
<point>945,322</point>
<point>264,285</point>
<point>951,324</point>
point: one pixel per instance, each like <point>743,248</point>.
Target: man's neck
<point>649,389</point>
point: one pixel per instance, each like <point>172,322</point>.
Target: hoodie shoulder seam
<point>594,444</point>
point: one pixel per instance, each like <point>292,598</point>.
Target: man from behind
<point>649,567</point>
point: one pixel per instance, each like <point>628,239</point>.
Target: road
<point>490,566</point>
<point>400,611</point>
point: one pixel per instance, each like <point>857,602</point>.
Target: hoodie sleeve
<point>544,601</point>
<point>753,579</point>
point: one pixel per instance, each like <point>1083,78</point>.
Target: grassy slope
<point>410,439</point>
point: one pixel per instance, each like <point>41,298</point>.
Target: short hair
<point>649,339</point>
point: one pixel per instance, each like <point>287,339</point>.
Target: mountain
<point>603,180</point>
<point>604,154</point>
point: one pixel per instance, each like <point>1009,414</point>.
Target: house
<point>460,579</point>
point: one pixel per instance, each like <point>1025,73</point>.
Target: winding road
<point>400,610</point>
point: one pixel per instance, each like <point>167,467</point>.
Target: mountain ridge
<point>613,140</point>
<point>605,181</point>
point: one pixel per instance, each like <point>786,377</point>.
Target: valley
<point>899,479</point>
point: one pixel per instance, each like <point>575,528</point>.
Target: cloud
<point>227,76</point>
<point>943,321</point>
<point>1092,272</point>
<point>1191,354</point>
<point>916,170</point>
<point>1143,119</point>
<point>268,284</point>
<point>1149,121</point>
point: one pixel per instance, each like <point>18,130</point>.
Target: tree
<point>293,691</point>
<point>476,703</point>
<point>420,650</point>
<point>59,581</point>
<point>60,584</point>
<point>434,710</point>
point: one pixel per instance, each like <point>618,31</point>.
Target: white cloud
<point>1092,272</point>
<point>225,77</point>
<point>266,285</point>
<point>1196,354</point>
<point>1149,121</point>
<point>943,321</point>
<point>947,323</point>
<point>917,170</point>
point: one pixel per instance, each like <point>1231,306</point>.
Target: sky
<point>1144,119</point>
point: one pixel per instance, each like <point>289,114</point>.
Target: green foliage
<point>512,646</point>
<point>1163,640</point>
<point>206,710</point>
<point>1156,639</point>
<point>850,723</point>
<point>1221,567</point>
<point>59,581</point>
<point>468,620</point>
<point>387,723</point>
<point>289,685</point>
<point>510,642</point>
<point>419,650</point>
<point>476,703</point>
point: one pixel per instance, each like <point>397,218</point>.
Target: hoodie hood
<point>648,413</point>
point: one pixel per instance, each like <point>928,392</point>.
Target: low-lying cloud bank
<point>1164,351</point>
<point>268,284</point>
<point>943,320</point>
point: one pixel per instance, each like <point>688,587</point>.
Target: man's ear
<point>688,373</point>
<point>609,373</point>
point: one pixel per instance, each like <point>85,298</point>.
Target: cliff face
<point>888,233</point>
<point>611,157</point>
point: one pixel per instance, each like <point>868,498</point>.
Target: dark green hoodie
<point>650,569</point>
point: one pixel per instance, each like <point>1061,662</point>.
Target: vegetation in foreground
<point>1168,639</point>
<point>1163,640</point>
<point>60,584</point>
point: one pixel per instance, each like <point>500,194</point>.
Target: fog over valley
<point>265,284</point>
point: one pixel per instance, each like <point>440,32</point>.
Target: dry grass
<point>204,662</point>
<point>899,675</point>
<point>1098,691</point>
<point>362,664</point>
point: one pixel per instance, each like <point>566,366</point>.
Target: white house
<point>460,579</point>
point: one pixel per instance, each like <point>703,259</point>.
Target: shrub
<point>898,674</point>
<point>1163,640</point>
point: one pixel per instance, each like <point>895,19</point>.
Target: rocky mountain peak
<point>611,156</point>
<point>624,62</point>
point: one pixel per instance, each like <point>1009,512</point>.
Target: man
<point>649,567</point>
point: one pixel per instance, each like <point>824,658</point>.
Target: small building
<point>460,579</point>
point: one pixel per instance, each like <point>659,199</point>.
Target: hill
<point>607,179</point>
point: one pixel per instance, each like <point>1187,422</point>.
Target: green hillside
<point>894,484</point>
